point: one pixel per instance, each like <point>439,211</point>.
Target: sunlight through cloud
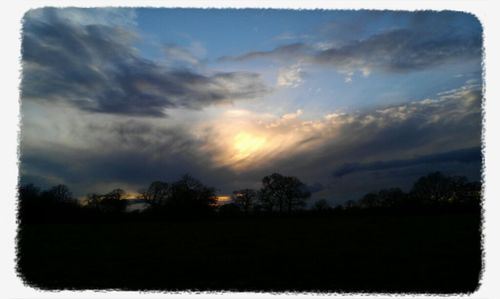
<point>246,144</point>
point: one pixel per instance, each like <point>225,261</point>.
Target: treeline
<point>279,194</point>
<point>188,198</point>
<point>433,192</point>
<point>185,198</point>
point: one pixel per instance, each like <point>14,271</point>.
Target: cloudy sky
<point>347,101</point>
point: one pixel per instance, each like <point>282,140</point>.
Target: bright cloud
<point>291,76</point>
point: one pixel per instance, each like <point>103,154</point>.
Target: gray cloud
<point>397,144</point>
<point>420,40</point>
<point>466,155</point>
<point>402,50</point>
<point>290,51</point>
<point>96,68</point>
<point>130,153</point>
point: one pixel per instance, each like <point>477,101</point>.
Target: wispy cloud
<point>95,67</point>
<point>466,155</point>
<point>89,150</point>
<point>426,41</point>
<point>445,123</point>
<point>291,76</point>
<point>285,52</point>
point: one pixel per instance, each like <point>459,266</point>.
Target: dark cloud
<point>420,40</point>
<point>284,52</point>
<point>96,68</point>
<point>402,50</point>
<point>467,155</point>
<point>129,153</point>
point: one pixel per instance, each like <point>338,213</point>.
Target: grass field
<point>344,253</point>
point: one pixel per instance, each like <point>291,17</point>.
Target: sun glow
<point>222,200</point>
<point>243,140</point>
<point>246,144</point>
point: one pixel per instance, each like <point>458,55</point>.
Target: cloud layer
<point>426,40</point>
<point>95,67</point>
<point>94,106</point>
<point>467,155</point>
<point>94,149</point>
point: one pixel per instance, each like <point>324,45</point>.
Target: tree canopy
<point>283,193</point>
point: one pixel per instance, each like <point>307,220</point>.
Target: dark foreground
<point>340,253</point>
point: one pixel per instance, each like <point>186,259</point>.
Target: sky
<point>349,102</point>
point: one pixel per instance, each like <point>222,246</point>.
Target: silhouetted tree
<point>369,200</point>
<point>111,202</point>
<point>190,195</point>
<point>470,194</point>
<point>390,197</point>
<point>244,199</point>
<point>114,201</point>
<point>430,190</point>
<point>157,193</point>
<point>59,193</point>
<point>283,193</point>
<point>54,204</point>
<point>322,205</point>
<point>297,193</point>
<point>384,198</point>
<point>92,200</point>
<point>267,201</point>
<point>28,192</point>
<point>436,188</point>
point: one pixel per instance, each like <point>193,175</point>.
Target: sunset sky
<point>348,101</point>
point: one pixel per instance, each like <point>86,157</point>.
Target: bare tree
<point>245,199</point>
<point>283,193</point>
<point>111,202</point>
<point>59,193</point>
<point>157,193</point>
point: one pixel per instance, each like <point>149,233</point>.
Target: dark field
<point>439,253</point>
